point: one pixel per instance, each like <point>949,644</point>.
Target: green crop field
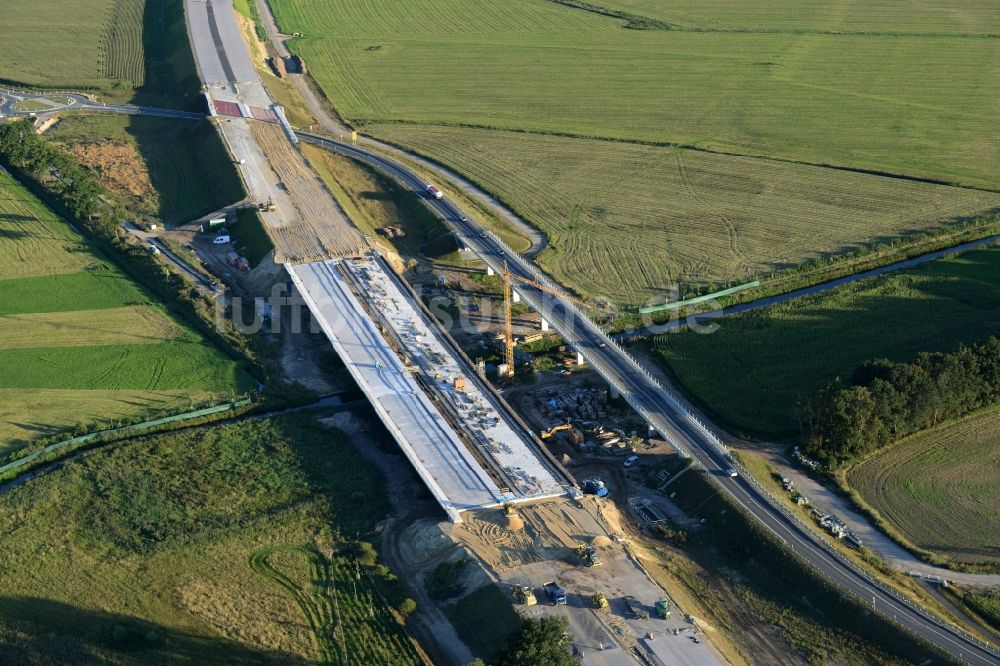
<point>757,368</point>
<point>79,342</point>
<point>940,488</point>
<point>624,221</point>
<point>220,545</point>
<point>816,85</point>
<point>95,44</point>
<point>890,17</point>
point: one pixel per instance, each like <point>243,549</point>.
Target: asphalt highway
<point>664,412</point>
<point>660,408</point>
<point>80,102</point>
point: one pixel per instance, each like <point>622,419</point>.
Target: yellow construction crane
<point>508,335</point>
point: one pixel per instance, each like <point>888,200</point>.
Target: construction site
<point>512,505</point>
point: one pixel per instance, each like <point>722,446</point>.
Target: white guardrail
<point>716,442</point>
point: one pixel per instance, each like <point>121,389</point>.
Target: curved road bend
<point>660,408</point>
<point>663,412</point>
<point>83,103</point>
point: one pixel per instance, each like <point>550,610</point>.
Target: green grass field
<point>121,50</point>
<point>216,545</point>
<point>869,101</point>
<point>574,119</point>
<point>756,368</point>
<point>625,221</point>
<point>103,36</point>
<point>894,17</point>
<point>940,488</point>
<point>80,343</point>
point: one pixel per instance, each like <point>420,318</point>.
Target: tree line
<point>887,401</point>
<point>76,190</point>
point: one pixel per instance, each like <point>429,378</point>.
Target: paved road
<point>78,102</point>
<point>661,409</point>
<point>665,413</point>
<point>336,127</point>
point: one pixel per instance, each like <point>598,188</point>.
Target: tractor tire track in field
<point>317,605</point>
<point>744,264</point>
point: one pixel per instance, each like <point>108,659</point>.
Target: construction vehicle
<point>508,336</point>
<point>635,609</point>
<point>589,555</point>
<point>556,594</point>
<point>545,434</point>
<point>524,594</point>
<point>266,206</point>
<point>600,601</point>
<point>509,509</point>
<point>595,486</point>
<point>663,608</point>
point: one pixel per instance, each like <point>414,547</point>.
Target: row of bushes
<point>887,400</point>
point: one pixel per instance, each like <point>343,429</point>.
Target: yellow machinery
<point>509,509</point>
<point>523,594</point>
<point>545,434</point>
<point>600,601</point>
<point>508,335</point>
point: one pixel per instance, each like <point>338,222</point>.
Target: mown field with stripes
<point>940,488</point>
<point>889,17</point>
<point>576,115</point>
<point>626,220</point>
<point>80,343</point>
<point>96,44</point>
<point>226,544</point>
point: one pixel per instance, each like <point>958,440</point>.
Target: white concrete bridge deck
<point>430,441</point>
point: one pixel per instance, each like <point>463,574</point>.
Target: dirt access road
<point>538,545</point>
<point>334,126</point>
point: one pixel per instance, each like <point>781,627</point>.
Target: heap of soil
<point>515,523</point>
<point>601,541</point>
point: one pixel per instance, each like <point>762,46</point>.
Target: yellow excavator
<point>545,434</point>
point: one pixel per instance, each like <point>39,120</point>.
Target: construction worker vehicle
<point>524,594</point>
<point>663,608</point>
<point>594,486</point>
<point>266,206</point>
<point>556,594</point>
<point>589,555</point>
<point>600,601</point>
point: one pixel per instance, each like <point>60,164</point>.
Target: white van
<point>221,239</point>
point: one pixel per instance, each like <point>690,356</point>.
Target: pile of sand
<point>515,523</point>
<point>601,541</point>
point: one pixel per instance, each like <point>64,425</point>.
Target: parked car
<point>221,239</point>
<point>631,460</point>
